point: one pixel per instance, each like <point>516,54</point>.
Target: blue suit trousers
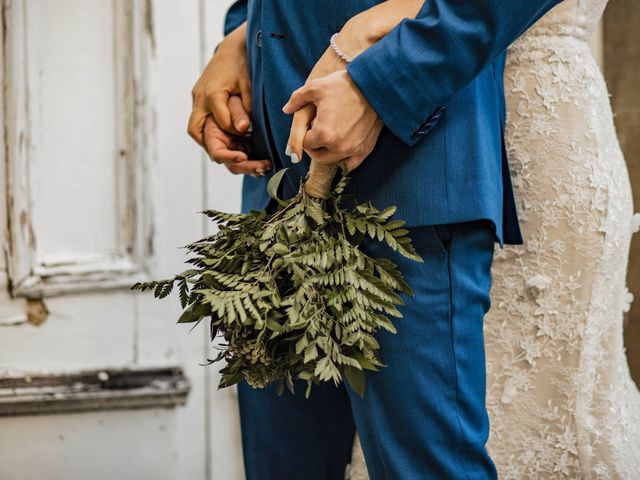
<point>423,416</point>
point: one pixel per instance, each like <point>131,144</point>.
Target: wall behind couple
<point>103,184</point>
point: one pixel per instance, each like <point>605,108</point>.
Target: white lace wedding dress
<point>561,401</point>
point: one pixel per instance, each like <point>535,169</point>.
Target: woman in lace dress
<point>560,397</point>
<point>561,401</point>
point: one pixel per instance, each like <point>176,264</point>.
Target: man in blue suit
<point>420,113</point>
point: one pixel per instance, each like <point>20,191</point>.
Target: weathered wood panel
<point>105,389</point>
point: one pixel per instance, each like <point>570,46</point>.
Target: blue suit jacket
<point>435,81</point>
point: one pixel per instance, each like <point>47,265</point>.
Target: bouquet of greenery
<point>292,293</point>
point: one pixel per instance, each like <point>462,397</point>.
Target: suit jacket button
<point>259,38</point>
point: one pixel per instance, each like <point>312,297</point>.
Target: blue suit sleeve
<point>235,16</point>
<point>423,62</point>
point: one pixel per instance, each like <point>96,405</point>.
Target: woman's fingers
<point>220,147</point>
<point>308,93</point>
<point>237,161</point>
<point>220,153</point>
<point>324,155</point>
<point>365,148</point>
<point>219,143</point>
<point>251,167</point>
<point>239,116</point>
<point>354,162</point>
<point>301,121</point>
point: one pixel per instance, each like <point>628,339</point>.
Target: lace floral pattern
<point>560,397</point>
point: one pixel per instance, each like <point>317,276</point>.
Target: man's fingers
<point>299,126</point>
<point>245,95</point>
<point>219,105</point>
<point>239,116</point>
<point>308,93</point>
<point>195,128</point>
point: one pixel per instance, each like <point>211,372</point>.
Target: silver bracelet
<point>336,48</point>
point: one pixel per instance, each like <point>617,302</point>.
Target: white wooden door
<point>102,186</point>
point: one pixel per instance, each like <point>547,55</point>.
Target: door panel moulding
<point>30,275</point>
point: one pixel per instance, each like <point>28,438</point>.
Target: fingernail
<point>284,109</point>
<point>260,171</point>
<point>287,151</point>
<point>294,158</point>
<point>243,122</point>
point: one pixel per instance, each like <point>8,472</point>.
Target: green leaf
<point>280,249</point>
<point>387,212</point>
<point>274,183</point>
<point>365,363</point>
<point>393,224</point>
<point>310,353</point>
<point>305,375</point>
<point>229,380</point>
<point>307,392</point>
<point>274,325</point>
<point>314,210</point>
<point>163,289</point>
<point>301,344</point>
<point>193,313</point>
<point>184,292</point>
<point>356,379</point>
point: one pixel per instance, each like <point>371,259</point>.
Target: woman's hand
<point>332,120</point>
<point>226,75</point>
<point>232,151</point>
<point>305,113</point>
<point>345,127</point>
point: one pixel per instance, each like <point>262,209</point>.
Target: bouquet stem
<point>320,178</point>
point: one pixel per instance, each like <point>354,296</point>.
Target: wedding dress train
<point>560,397</point>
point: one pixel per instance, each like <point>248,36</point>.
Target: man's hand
<point>232,151</point>
<point>221,112</point>
<point>226,75</point>
<point>343,124</point>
